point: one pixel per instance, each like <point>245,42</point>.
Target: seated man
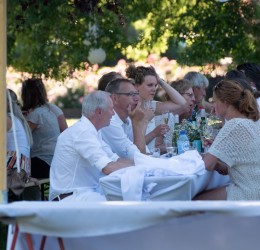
<point>199,85</point>
<point>81,157</point>
<point>126,132</point>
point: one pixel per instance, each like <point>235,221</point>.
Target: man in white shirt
<point>125,134</point>
<point>81,157</point>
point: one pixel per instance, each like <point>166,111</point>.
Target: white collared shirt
<point>119,136</point>
<point>80,155</point>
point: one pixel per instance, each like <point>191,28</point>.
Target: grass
<point>71,121</point>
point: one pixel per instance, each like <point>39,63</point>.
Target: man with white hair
<point>81,157</point>
<point>199,85</point>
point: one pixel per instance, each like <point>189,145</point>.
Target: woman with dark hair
<point>46,122</point>
<point>106,78</point>
<point>146,82</point>
<point>236,148</point>
<point>245,82</point>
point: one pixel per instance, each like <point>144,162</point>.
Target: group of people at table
<point>120,119</point>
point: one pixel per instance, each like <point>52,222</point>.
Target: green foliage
<point>54,37</point>
<point>72,99</point>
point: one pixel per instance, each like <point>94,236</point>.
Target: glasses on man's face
<point>189,94</point>
<point>132,94</point>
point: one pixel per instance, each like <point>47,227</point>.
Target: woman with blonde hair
<point>235,150</point>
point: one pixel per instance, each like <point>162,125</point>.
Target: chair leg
<point>42,242</point>
<point>14,237</point>
<point>61,243</point>
<point>29,241</point>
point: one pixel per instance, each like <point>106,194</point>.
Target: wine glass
<point>207,138</point>
<point>166,116</point>
<point>165,120</point>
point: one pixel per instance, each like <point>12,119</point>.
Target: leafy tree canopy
<point>55,37</point>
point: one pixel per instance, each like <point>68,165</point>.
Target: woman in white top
<point>22,133</point>
<point>235,150</point>
<point>146,82</point>
<point>46,122</point>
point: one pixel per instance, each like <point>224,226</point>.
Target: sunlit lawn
<point>71,121</point>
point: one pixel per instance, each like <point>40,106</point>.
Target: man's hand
<point>140,115</point>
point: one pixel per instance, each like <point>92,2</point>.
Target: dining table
<point>181,177</point>
<point>117,225</point>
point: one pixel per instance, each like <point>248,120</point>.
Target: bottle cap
<point>182,132</point>
<point>176,119</point>
<point>202,113</point>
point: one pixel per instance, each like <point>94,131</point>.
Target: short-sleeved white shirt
<point>47,131</point>
<point>80,155</point>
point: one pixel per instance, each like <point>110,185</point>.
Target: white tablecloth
<point>178,178</point>
<point>144,225</point>
<point>101,218</point>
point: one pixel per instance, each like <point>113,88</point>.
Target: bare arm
<point>32,125</point>
<point>210,161</point>
<point>177,101</point>
<point>120,163</point>
<point>157,132</point>
<point>140,120</point>
<point>62,123</point>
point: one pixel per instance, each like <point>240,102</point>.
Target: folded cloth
<point>132,178</point>
<point>190,162</point>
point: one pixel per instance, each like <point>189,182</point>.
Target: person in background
<point>235,149</point>
<point>199,85</point>
<point>22,133</point>
<point>126,135</point>
<point>106,78</point>
<point>46,122</point>
<point>184,87</point>
<point>146,82</point>
<point>81,156</point>
<point>252,72</point>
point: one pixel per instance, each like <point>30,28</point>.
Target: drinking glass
<point>165,117</point>
<point>156,152</point>
<point>171,151</point>
<point>207,138</point>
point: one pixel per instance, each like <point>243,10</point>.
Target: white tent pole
<point>3,191</point>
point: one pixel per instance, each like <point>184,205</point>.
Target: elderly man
<point>81,157</point>
<point>199,85</point>
<point>126,132</point>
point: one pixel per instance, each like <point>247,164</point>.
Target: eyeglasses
<point>189,94</point>
<point>132,94</point>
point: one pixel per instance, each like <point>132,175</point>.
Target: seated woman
<point>235,149</point>
<point>46,121</point>
<point>184,87</point>
<point>146,82</point>
<point>22,133</point>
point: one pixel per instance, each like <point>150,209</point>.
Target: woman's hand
<point>221,168</point>
<point>160,130</point>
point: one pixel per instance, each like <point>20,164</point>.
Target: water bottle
<point>183,143</point>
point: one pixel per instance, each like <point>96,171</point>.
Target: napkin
<point>190,162</point>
